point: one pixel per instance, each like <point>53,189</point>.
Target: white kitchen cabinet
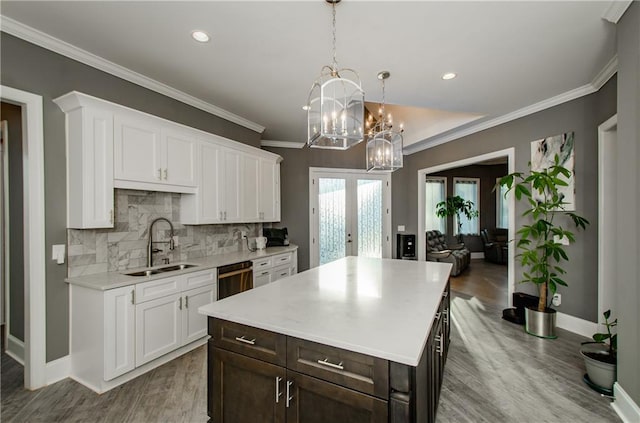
<point>270,269</point>
<point>89,163</point>
<point>194,324</point>
<point>119,334</point>
<point>250,188</point>
<point>152,157</point>
<point>158,327</point>
<point>269,191</point>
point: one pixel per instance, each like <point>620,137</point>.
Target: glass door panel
<point>369,218</point>
<point>332,219</point>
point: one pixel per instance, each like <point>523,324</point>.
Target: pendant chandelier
<point>335,107</point>
<point>384,144</point>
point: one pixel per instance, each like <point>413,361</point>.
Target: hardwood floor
<point>495,373</point>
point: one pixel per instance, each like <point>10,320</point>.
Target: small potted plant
<point>456,206</point>
<point>600,357</point>
<point>541,252</point>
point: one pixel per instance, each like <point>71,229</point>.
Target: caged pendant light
<point>384,144</point>
<point>335,107</point>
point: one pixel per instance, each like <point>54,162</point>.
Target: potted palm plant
<point>456,206</point>
<point>541,252</point>
<point>600,357</point>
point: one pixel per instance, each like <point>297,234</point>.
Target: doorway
<point>33,233</point>
<point>350,214</point>
<point>422,177</point>
<point>607,203</point>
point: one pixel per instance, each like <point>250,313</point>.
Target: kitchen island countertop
<point>380,307</point>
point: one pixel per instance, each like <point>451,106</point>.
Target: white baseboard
<point>57,370</point>
<point>479,255</point>
<point>576,325</point>
<point>626,408</point>
<point>15,349</point>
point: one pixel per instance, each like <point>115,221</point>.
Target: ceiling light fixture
<point>384,145</point>
<point>449,75</point>
<point>335,107</point>
<point>200,36</point>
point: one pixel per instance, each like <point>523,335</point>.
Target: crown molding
<point>615,10</point>
<point>281,144</point>
<point>39,38</point>
<point>600,79</point>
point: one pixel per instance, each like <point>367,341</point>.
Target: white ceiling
<point>264,55</point>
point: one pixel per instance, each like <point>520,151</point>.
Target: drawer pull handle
<point>264,273</point>
<point>440,346</point>
<point>284,258</point>
<point>327,363</point>
<point>445,294</point>
<point>446,315</point>
<point>278,393</point>
<point>245,340</point>
<point>438,314</point>
<point>263,264</point>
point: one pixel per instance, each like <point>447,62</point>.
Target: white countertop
<point>380,307</point>
<point>110,280</point>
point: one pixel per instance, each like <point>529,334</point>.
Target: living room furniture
<point>495,245</point>
<point>456,254</point>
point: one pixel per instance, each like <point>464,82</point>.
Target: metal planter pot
<point>540,323</point>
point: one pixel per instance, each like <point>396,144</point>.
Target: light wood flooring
<point>495,373</point>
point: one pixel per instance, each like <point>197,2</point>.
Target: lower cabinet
<point>117,331</point>
<point>273,268</point>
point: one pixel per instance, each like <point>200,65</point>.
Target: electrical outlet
<point>557,299</point>
<point>243,234</point>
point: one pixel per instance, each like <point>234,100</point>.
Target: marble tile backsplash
<point>124,246</point>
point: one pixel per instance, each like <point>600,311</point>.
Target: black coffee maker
<point>276,237</point>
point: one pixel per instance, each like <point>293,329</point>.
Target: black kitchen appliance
<point>234,278</point>
<point>276,237</point>
<point>406,247</point>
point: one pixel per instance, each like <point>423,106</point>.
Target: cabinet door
<point>119,335</point>
<point>179,159</point>
<point>137,150</point>
<point>91,171</point>
<point>194,324</point>
<point>315,401</point>
<point>250,188</point>
<point>158,327</point>
<point>231,187</point>
<point>246,390</point>
<point>269,190</point>
<point>211,192</point>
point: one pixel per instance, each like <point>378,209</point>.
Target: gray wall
<point>13,115</point>
<point>628,212</point>
<point>294,186</point>
<point>583,116</point>
<point>34,69</point>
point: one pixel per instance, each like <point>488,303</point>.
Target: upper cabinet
<point>151,157</point>
<point>111,146</point>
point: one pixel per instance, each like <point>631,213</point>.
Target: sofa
<point>495,245</point>
<point>439,250</point>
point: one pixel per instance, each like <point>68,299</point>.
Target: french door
<point>349,214</point>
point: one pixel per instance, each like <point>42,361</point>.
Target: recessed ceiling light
<point>200,36</point>
<point>449,75</point>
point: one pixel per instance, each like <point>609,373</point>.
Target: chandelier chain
<point>383,101</point>
<point>335,62</point>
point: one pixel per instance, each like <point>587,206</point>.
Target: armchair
<point>495,245</point>
<point>439,250</point>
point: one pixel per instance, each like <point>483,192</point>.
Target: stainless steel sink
<point>170,268</point>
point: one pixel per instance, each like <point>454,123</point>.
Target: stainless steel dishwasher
<point>234,278</point>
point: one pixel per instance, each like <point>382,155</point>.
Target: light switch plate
<point>564,240</point>
<point>400,228</point>
<point>57,253</point>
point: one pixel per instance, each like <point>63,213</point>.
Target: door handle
<point>289,396</point>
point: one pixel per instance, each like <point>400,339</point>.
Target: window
<point>435,192</point>
<point>469,190</point>
<point>502,207</point>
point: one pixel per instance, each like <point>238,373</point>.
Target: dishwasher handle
<point>234,273</point>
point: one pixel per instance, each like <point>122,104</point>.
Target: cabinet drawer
<point>253,342</point>
<point>159,288</point>
<point>281,259</point>
<point>264,263</point>
<point>346,368</point>
<point>201,278</point>
<point>280,272</point>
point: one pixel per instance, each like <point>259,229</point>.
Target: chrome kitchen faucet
<point>150,249</point>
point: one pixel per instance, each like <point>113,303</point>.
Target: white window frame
<point>457,179</point>
<point>438,178</point>
<point>499,202</point>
